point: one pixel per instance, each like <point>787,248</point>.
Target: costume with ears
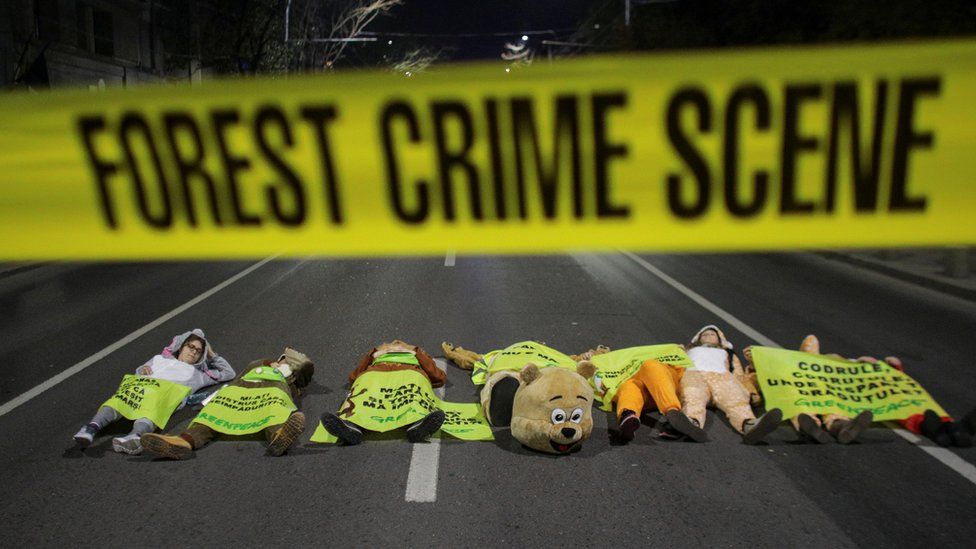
<point>713,381</point>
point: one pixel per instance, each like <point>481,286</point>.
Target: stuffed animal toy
<point>540,392</point>
<point>553,408</point>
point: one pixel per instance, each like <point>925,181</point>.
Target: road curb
<point>921,280</point>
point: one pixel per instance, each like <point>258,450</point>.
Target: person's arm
<point>218,368</point>
<point>736,364</point>
<point>436,375</point>
<point>364,363</point>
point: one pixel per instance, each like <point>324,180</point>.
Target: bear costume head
<point>553,408</point>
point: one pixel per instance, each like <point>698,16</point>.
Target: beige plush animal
<point>553,408</point>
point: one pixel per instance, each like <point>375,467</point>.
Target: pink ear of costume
<point>168,350</point>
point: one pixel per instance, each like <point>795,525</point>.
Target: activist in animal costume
<point>541,393</point>
<point>713,380</point>
<point>158,388</point>
<point>399,365</point>
<point>822,428</point>
<point>263,398</point>
<point>940,428</point>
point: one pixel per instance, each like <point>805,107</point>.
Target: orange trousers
<point>655,381</point>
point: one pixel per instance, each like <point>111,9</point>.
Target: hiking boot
<point>629,422</point>
<point>346,432</point>
<point>754,430</point>
<point>464,358</point>
<point>849,430</point>
<point>86,435</point>
<point>285,436</point>
<point>423,429</point>
<point>502,401</point>
<point>812,430</point>
<point>685,425</point>
<point>166,446</point>
<point>129,444</point>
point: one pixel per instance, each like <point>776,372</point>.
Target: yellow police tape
<point>793,147</point>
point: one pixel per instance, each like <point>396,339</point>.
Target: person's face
<point>191,351</point>
<point>709,337</point>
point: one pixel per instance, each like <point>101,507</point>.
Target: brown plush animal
<point>553,408</point>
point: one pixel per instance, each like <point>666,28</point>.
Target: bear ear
<point>530,373</point>
<point>586,369</point>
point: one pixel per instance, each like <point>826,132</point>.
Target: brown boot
<point>165,446</point>
<point>464,358</point>
<point>846,431</point>
<point>285,436</point>
<point>600,350</point>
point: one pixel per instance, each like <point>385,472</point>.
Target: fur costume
<point>714,381</point>
<point>542,393</point>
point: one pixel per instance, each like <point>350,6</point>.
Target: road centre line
<point>450,258</point>
<point>949,459</point>
<point>37,390</point>
<point>424,463</point>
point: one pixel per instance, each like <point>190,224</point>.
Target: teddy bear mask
<point>553,408</point>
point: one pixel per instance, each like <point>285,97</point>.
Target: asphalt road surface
<point>883,491</point>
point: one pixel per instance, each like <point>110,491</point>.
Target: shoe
<point>628,424</point>
<point>166,446</point>
<point>810,429</point>
<point>423,429</point>
<point>502,401</point>
<point>667,432</point>
<point>961,438</point>
<point>86,435</point>
<point>851,429</point>
<point>346,432</point>
<point>969,422</point>
<point>285,436</point>
<point>129,444</point>
<point>685,425</point>
<point>934,429</point>
<point>753,431</point>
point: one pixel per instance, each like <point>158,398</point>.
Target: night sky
<point>453,17</point>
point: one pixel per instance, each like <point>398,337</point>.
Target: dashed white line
<point>949,459</point>
<point>23,398</point>
<point>424,464</point>
<point>450,258</point>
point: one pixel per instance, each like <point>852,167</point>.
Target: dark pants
<point>199,435</point>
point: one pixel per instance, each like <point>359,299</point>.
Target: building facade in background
<point>78,43</point>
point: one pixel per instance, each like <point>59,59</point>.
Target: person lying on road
<point>263,398</point>
<point>188,364</point>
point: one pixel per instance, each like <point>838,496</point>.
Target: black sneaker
<point>680,422</point>
<point>853,428</point>
<point>934,429</point>
<point>811,430</point>
<point>968,422</point>
<point>757,429</point>
<point>961,438</point>
<point>347,433</point>
<point>502,401</point>
<point>667,432</point>
<point>628,424</point>
<point>423,429</point>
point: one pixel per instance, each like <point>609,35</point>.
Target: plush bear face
<point>553,409</point>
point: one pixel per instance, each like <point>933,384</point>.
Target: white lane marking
<point>424,463</point>
<point>711,307</point>
<point>949,459</point>
<point>21,399</point>
<point>450,258</point>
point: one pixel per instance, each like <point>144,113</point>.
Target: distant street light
<point>389,42</point>
<point>525,37</point>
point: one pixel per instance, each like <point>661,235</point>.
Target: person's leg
<point>281,437</point>
<point>695,396</point>
<point>86,435</point>
<point>630,400</point>
<point>662,381</point>
<point>731,398</point>
<point>131,443</point>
